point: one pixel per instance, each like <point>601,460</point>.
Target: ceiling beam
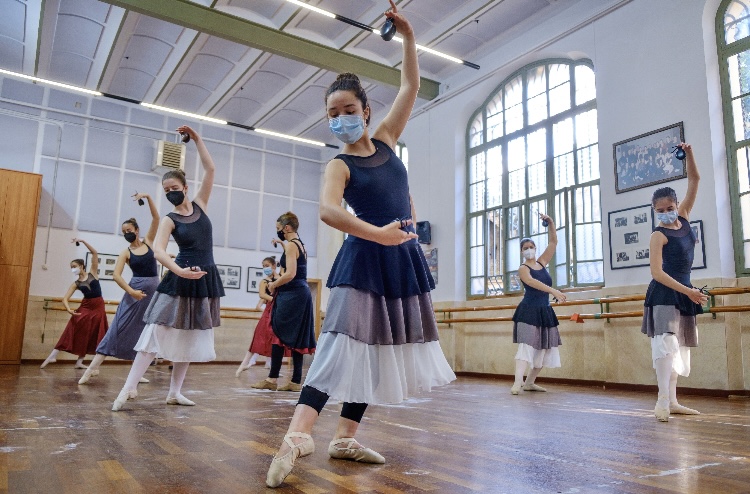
<point>216,23</point>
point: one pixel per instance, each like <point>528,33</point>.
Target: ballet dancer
<point>292,314</point>
<point>534,321</point>
<point>261,343</point>
<point>185,308</point>
<point>88,323</point>
<point>379,342</point>
<point>127,325</point>
<point>669,312</point>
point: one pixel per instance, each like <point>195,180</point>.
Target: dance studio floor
<point>470,436</point>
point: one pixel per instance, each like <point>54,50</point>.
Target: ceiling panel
<point>502,17</point>
<point>187,97</point>
<point>158,29</point>
<point>284,66</point>
<point>285,120</point>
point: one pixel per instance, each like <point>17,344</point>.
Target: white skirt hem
<point>177,345</point>
<point>549,358</point>
<point>666,344</point>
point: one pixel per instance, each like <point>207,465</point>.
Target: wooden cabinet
<point>19,209</point>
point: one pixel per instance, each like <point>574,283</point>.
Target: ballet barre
<point>51,300</point>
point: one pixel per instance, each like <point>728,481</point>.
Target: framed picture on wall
<point>431,256</point>
<point>699,257</point>
<point>648,159</point>
<point>254,277</point>
<point>107,264</point>
<point>231,276</point>
<point>629,236</point>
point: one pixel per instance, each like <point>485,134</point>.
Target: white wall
<point>106,151</point>
<point>650,60</point>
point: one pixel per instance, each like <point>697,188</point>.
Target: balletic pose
<point>88,323</point>
<point>184,311</point>
<point>127,325</point>
<point>534,322</point>
<point>379,343</point>
<point>669,312</point>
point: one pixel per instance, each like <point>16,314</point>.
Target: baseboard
<point>647,388</point>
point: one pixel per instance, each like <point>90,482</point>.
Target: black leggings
<point>277,355</point>
<point>317,400</point>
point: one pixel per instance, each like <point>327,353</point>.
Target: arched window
<point>533,147</point>
<point>733,41</point>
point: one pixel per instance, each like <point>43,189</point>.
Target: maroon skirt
<point>84,331</point>
<point>263,336</point>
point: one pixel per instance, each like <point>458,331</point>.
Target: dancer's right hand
<point>560,296</point>
<point>697,296</point>
<point>191,273</point>
<point>138,294</point>
<point>73,313</point>
<point>392,234</point>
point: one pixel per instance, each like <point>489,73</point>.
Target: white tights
<point>521,366</point>
<point>140,366</point>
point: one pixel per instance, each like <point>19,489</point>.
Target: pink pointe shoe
<point>282,466</point>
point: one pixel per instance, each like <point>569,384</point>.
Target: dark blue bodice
<point>143,266</point>
<point>90,288</point>
<point>301,274</point>
<point>534,308</point>
<point>378,191</point>
<point>533,296</point>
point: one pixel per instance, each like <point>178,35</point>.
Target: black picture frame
<point>699,257</point>
<point>646,160</point>
<point>629,237</point>
<point>231,276</point>
<point>107,263</point>
<point>254,276</point>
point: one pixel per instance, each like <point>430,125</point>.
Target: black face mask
<point>130,237</point>
<point>176,197</point>
<point>281,234</point>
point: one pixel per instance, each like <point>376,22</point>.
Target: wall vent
<point>169,156</point>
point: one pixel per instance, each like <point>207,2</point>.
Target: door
<point>19,211</point>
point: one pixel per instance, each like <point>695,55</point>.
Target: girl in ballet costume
<point>534,321</point>
<point>261,344</point>
<point>669,315</point>
<point>184,311</point>
<point>88,323</point>
<point>127,325</point>
<point>379,342</point>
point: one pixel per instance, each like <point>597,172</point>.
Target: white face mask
<point>529,253</point>
<point>75,271</point>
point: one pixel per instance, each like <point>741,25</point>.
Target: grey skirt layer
<point>537,337</point>
<point>183,312</point>
<point>663,319</point>
<point>375,320</point>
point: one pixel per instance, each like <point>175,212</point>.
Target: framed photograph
<point>230,276</point>
<point>647,159</point>
<point>629,236</point>
<point>254,277</point>
<point>107,264</point>
<point>699,258</point>
<point>431,256</point>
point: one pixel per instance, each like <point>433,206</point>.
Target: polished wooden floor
<point>470,436</point>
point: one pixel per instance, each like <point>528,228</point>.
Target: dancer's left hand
<point>403,27</point>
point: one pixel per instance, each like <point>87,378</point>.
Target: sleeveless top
<point>144,265</point>
<point>300,277</point>
<point>378,191</point>
<point>90,288</point>
<point>677,261</point>
<point>194,237</point>
<point>534,308</point>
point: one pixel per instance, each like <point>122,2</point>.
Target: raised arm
<point>151,234</point>
<point>693,180</point>
<point>656,246</point>
<point>94,267</point>
<point>333,214</point>
<point>209,168</point>
<point>160,252</point>
<point>546,256</point>
<point>393,124</point>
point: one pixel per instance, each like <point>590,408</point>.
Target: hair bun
<point>131,220</point>
<point>347,76</point>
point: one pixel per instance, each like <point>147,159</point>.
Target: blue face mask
<point>347,128</point>
<point>268,271</point>
<point>667,218</point>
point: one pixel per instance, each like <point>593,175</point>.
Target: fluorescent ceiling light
<point>365,27</point>
<point>51,83</point>
<point>184,113</point>
<point>285,136</point>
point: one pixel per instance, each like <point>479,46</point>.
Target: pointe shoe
<point>122,398</point>
<point>80,366</point>
<point>143,380</point>
<point>86,376</point>
<point>534,387</point>
<point>515,389</point>
<point>265,384</point>
<point>179,400</point>
<point>677,409</point>
<point>47,362</point>
<point>290,386</point>
<point>240,371</point>
<point>363,455</point>
<point>661,411</point>
<point>282,466</point>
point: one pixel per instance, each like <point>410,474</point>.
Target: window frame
<point>567,240</point>
<point>724,52</point>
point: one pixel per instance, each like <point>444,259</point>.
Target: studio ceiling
<point>212,68</point>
